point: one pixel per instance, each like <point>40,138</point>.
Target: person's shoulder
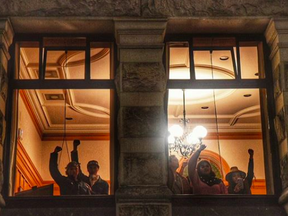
<point>102,181</point>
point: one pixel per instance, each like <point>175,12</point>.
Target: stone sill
<point>109,201</point>
<point>103,201</point>
<point>224,200</point>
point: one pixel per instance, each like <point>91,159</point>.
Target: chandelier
<point>182,140</point>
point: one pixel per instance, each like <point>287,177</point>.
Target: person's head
<point>72,169</point>
<point>234,175</point>
<point>204,168</point>
<point>93,167</point>
<point>173,162</point>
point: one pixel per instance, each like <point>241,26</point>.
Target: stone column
<point>141,84</point>
<point>277,38</point>
<point>6,38</point>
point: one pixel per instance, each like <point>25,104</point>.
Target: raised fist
<point>57,149</point>
<point>75,144</point>
<point>202,147</point>
<point>251,152</point>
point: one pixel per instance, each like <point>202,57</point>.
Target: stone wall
<point>144,8</point>
<point>277,39</point>
<point>6,36</point>
<point>141,84</point>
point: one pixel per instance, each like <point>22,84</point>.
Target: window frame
<point>15,85</point>
<point>237,83</point>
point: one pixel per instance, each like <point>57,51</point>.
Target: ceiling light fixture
<point>224,58</point>
<point>181,139</point>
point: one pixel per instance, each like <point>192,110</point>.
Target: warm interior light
<point>171,139</point>
<point>200,131</point>
<point>176,130</point>
<point>192,139</point>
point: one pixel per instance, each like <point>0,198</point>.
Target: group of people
<point>202,180</point>
<point>76,182</point>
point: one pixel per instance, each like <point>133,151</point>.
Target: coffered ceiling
<point>87,112</point>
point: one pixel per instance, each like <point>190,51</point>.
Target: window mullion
<point>191,56</point>
<point>238,75</point>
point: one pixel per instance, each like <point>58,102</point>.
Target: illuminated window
<point>214,82</point>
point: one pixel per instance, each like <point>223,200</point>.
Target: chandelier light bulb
<point>171,139</point>
<point>176,130</point>
<point>200,131</point>
<point>192,139</point>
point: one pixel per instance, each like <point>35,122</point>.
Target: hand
<point>236,188</point>
<point>202,147</point>
<point>57,149</point>
<point>251,152</point>
<point>185,163</point>
<point>75,144</point>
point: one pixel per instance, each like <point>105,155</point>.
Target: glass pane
<point>59,117</point>
<point>249,61</point>
<point>100,61</point>
<point>179,61</point>
<point>28,64</point>
<point>232,118</point>
<point>216,64</point>
<point>65,65</point>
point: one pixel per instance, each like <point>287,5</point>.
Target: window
<point>220,83</point>
<point>63,91</point>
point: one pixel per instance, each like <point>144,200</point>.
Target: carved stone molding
<point>141,32</point>
<point>142,169</point>
<point>6,37</point>
<point>159,209</point>
<point>141,122</point>
<point>143,77</point>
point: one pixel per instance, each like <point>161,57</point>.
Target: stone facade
<point>141,84</point>
<point>146,8</point>
<point>6,37</point>
<point>277,39</point>
<point>142,171</point>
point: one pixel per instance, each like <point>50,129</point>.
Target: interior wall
<point>30,138</point>
<point>88,150</point>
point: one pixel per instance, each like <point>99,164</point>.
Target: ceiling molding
<point>233,136</point>
<point>245,113</point>
<point>91,136</point>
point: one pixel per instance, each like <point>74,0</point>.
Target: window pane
<point>28,65</point>
<point>214,64</point>
<point>179,61</point>
<point>100,61</point>
<point>65,65</point>
<point>250,61</point>
<point>41,127</point>
<point>232,118</point>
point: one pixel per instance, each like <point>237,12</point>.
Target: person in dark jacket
<point>70,184</point>
<point>238,182</point>
<point>97,184</point>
